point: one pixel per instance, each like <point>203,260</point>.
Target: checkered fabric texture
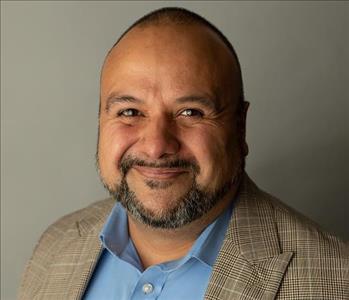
<point>269,252</point>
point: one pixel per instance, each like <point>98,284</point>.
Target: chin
<point>159,200</point>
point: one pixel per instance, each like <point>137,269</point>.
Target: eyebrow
<point>115,98</point>
<point>208,102</point>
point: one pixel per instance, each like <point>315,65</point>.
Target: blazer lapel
<point>91,249</point>
<point>76,258</point>
<point>250,264</point>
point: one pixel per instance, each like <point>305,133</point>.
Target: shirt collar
<point>115,237</point>
<point>209,242</point>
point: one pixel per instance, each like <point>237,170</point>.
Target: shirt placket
<point>150,284</point>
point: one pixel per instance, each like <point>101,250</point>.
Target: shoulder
<point>320,262</point>
<point>90,215</point>
<point>54,236</point>
<point>297,231</point>
<point>294,229</point>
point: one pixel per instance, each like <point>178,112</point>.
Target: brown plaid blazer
<point>269,252</point>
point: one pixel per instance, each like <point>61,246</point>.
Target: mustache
<point>128,162</point>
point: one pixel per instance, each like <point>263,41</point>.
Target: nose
<point>158,139</point>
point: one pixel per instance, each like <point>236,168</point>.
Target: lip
<point>159,173</point>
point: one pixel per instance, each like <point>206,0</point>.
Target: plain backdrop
<point>294,58</point>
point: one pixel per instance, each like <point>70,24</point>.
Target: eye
<point>190,112</point>
<point>130,112</point>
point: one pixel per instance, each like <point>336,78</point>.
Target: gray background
<point>294,57</point>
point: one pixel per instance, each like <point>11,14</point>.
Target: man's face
<point>168,140</point>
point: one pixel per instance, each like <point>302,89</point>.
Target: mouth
<point>159,173</point>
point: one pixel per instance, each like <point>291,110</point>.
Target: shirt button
<point>147,288</point>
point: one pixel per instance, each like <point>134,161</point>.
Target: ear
<point>246,105</point>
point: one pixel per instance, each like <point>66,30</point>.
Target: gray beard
<point>190,207</point>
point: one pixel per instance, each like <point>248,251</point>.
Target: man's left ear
<point>246,105</point>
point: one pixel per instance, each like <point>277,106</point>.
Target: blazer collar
<point>250,264</point>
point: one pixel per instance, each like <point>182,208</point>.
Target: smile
<point>159,173</point>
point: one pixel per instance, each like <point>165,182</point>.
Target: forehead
<point>169,59</point>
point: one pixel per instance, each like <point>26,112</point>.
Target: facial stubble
<point>189,207</point>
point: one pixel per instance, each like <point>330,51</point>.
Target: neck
<point>155,246</point>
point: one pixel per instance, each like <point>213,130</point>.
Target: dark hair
<point>181,16</point>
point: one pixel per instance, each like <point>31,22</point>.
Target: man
<point>187,223</point>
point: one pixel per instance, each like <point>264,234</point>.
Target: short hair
<point>182,16</point>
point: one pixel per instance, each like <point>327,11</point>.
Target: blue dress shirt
<point>119,273</point>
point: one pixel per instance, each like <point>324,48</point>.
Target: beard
<point>195,203</point>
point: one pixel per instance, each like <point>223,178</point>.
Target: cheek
<point>206,147</point>
<point>114,141</point>
<point>214,150</point>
